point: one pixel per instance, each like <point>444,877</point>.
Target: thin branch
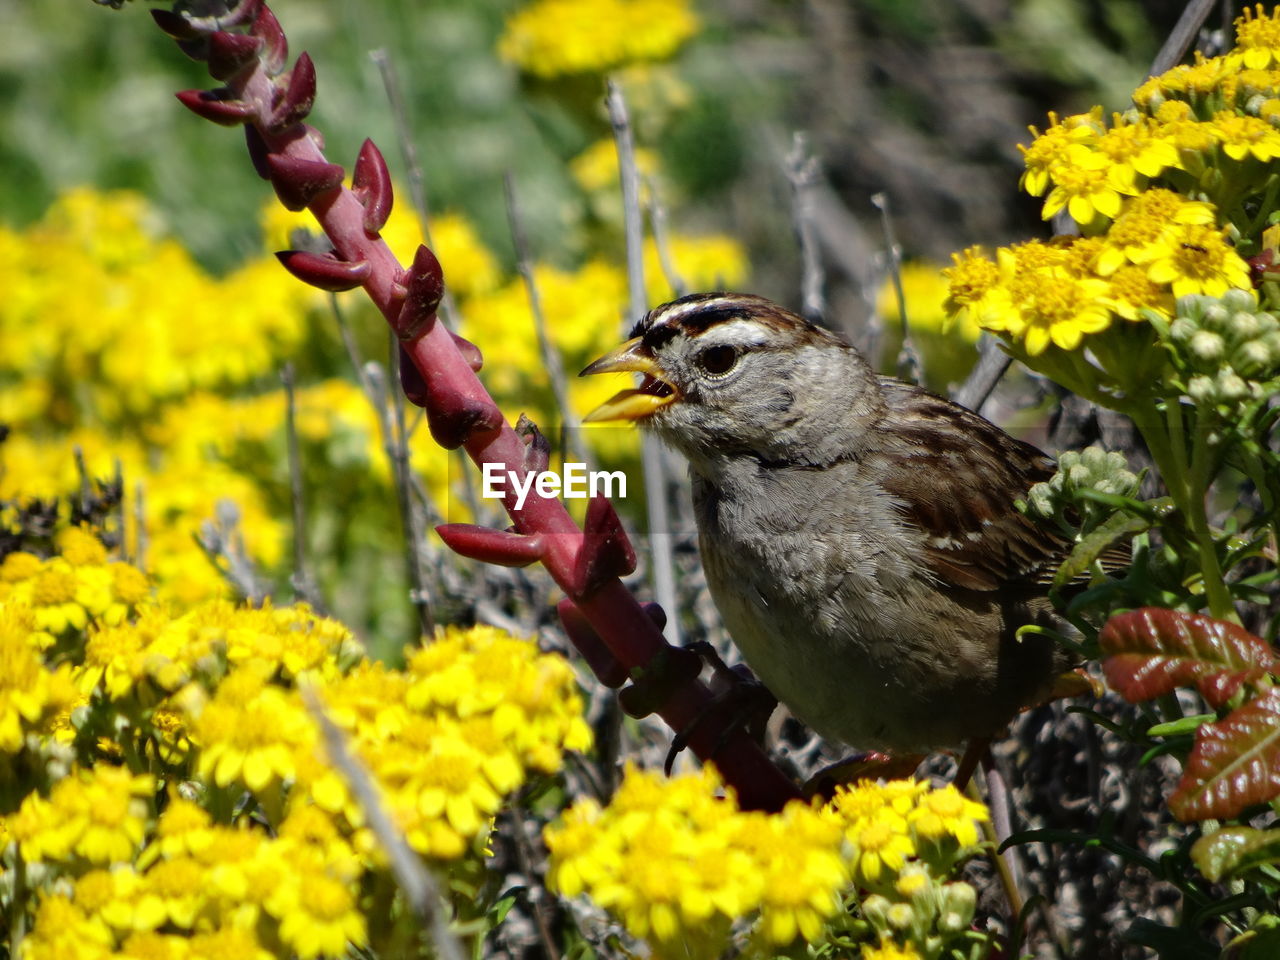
<point>417,181</point>
<point>220,538</point>
<point>986,373</point>
<point>140,525</point>
<point>122,509</point>
<point>909,366</point>
<point>662,240</point>
<point>418,593</point>
<point>524,856</point>
<point>655,492</point>
<point>804,173</point>
<point>570,437</point>
<point>389,414</point>
<point>1182,36</point>
<point>425,896</point>
<point>304,585</point>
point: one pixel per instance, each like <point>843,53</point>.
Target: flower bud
<point>1240,300</point>
<point>876,909</point>
<point>1215,315</point>
<point>1231,386</point>
<point>1207,345</point>
<point>1244,325</point>
<point>958,903</point>
<point>1253,106</point>
<point>1251,358</point>
<point>901,916</point>
<point>1182,329</point>
<point>1201,388</point>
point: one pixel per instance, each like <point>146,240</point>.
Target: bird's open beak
<point>653,393</point>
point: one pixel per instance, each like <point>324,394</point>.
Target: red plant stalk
<point>246,50</point>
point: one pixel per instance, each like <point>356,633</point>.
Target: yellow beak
<point>653,393</point>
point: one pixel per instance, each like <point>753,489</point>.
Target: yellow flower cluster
<point>99,815</point>
<point>683,867</point>
<point>1165,195</point>
<point>200,889</point>
<point>551,38</point>
<point>135,710</point>
<point>104,316</point>
<point>66,591</point>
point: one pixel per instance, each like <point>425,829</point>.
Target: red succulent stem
<point>460,412</point>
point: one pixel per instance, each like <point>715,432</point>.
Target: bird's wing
<point>958,485</point>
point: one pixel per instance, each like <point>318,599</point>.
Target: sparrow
<point>859,534</point>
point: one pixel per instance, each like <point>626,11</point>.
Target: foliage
<point>1161,308</point>
<point>166,790</point>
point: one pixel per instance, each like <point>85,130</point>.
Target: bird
<point>859,534</point>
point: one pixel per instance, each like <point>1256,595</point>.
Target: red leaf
<point>1151,651</point>
<point>1234,764</point>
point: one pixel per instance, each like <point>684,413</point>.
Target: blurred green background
<point>922,100</point>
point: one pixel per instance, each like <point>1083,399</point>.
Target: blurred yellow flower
<point>99,814</point>
<point>550,38</point>
<point>926,288</point>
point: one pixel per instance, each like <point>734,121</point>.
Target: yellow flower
<point>251,730</point>
<point>1257,38</point>
<point>707,262</point>
<point>174,890</point>
<point>1130,291</point>
<point>97,814</point>
<point>881,843</point>
<point>1244,136</point>
<point>802,873</point>
<point>80,547</point>
<point>887,949</point>
<point>318,914</point>
<point>947,812</point>
<point>554,37</point>
<point>1137,150</point>
<point>30,694</point>
<point>62,930</point>
<point>596,167</point>
<point>1050,150</point>
<point>1046,296</point>
<point>678,865</point>
<point>1086,185</point>
<point>1198,259</point>
<point>227,942</point>
<point>1145,222</point>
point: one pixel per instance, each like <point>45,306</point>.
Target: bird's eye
<point>718,360</point>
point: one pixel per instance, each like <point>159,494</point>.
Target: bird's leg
<point>973,753</point>
<point>735,687</point>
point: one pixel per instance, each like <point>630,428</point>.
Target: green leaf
<point>1151,651</point>
<point>1235,763</point>
<point>1180,726</point>
<point>1234,850</point>
<point>1094,545</point>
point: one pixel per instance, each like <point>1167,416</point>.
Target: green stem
<point>1165,441</point>
<point>1194,476</point>
<point>18,905</point>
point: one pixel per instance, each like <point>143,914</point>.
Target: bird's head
<point>730,374</point>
